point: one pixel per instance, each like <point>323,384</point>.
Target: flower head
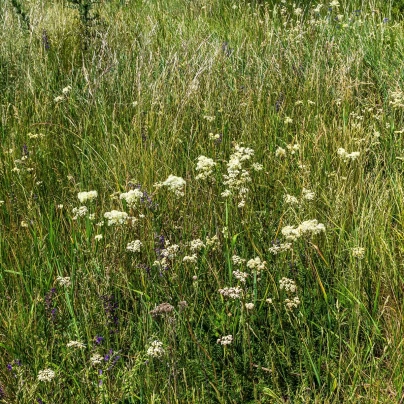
<point>132,197</point>
<point>116,217</point>
<point>134,246</point>
<point>204,167</point>
<point>358,252</point>
<point>232,293</point>
<point>75,344</point>
<point>87,196</point>
<point>46,375</point>
<point>226,340</point>
<point>174,184</point>
<point>64,281</point>
<point>156,349</point>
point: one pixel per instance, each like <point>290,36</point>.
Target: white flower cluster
<point>170,250</point>
<point>257,167</point>
<point>214,136</point>
<point>290,199</point>
<point>197,245</point>
<point>132,197</point>
<point>134,246</point>
<point>116,217</point>
<point>75,344</point>
<point>96,359</point>
<point>204,167</point>
<point>311,227</point>
<point>237,260</point>
<point>256,264</point>
<point>63,281</point>
<point>238,177</point>
<point>174,184</point>
<point>79,212</point>
<point>226,340</point>
<point>66,90</point>
<point>278,248</point>
<point>249,306</point>
<point>168,253</point>
<point>292,149</point>
<point>289,285</point>
<point>192,259</point>
<point>345,156</point>
<point>212,242</point>
<point>241,276</point>
<point>232,293</point>
<point>308,195</point>
<point>291,304</point>
<point>65,93</point>
<point>280,152</point>
<point>36,135</point>
<point>358,252</point>
<point>46,375</point>
<point>156,349</point>
<point>397,99</point>
<point>87,196</point>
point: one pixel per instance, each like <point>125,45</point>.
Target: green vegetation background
<point>149,81</point>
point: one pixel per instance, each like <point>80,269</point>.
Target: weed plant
<point>205,205</point>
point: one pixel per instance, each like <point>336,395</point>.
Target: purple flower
<point>114,362</point>
<point>100,374</point>
<point>146,198</point>
<point>146,268</point>
<point>99,339</point>
<point>25,151</point>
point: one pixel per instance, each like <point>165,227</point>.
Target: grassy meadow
<point>201,202</point>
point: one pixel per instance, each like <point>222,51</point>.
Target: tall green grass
<point>142,97</point>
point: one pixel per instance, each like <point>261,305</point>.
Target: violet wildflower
<point>146,268</point>
<point>99,339</point>
<point>113,362</point>
<point>107,357</point>
<point>100,375</point>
